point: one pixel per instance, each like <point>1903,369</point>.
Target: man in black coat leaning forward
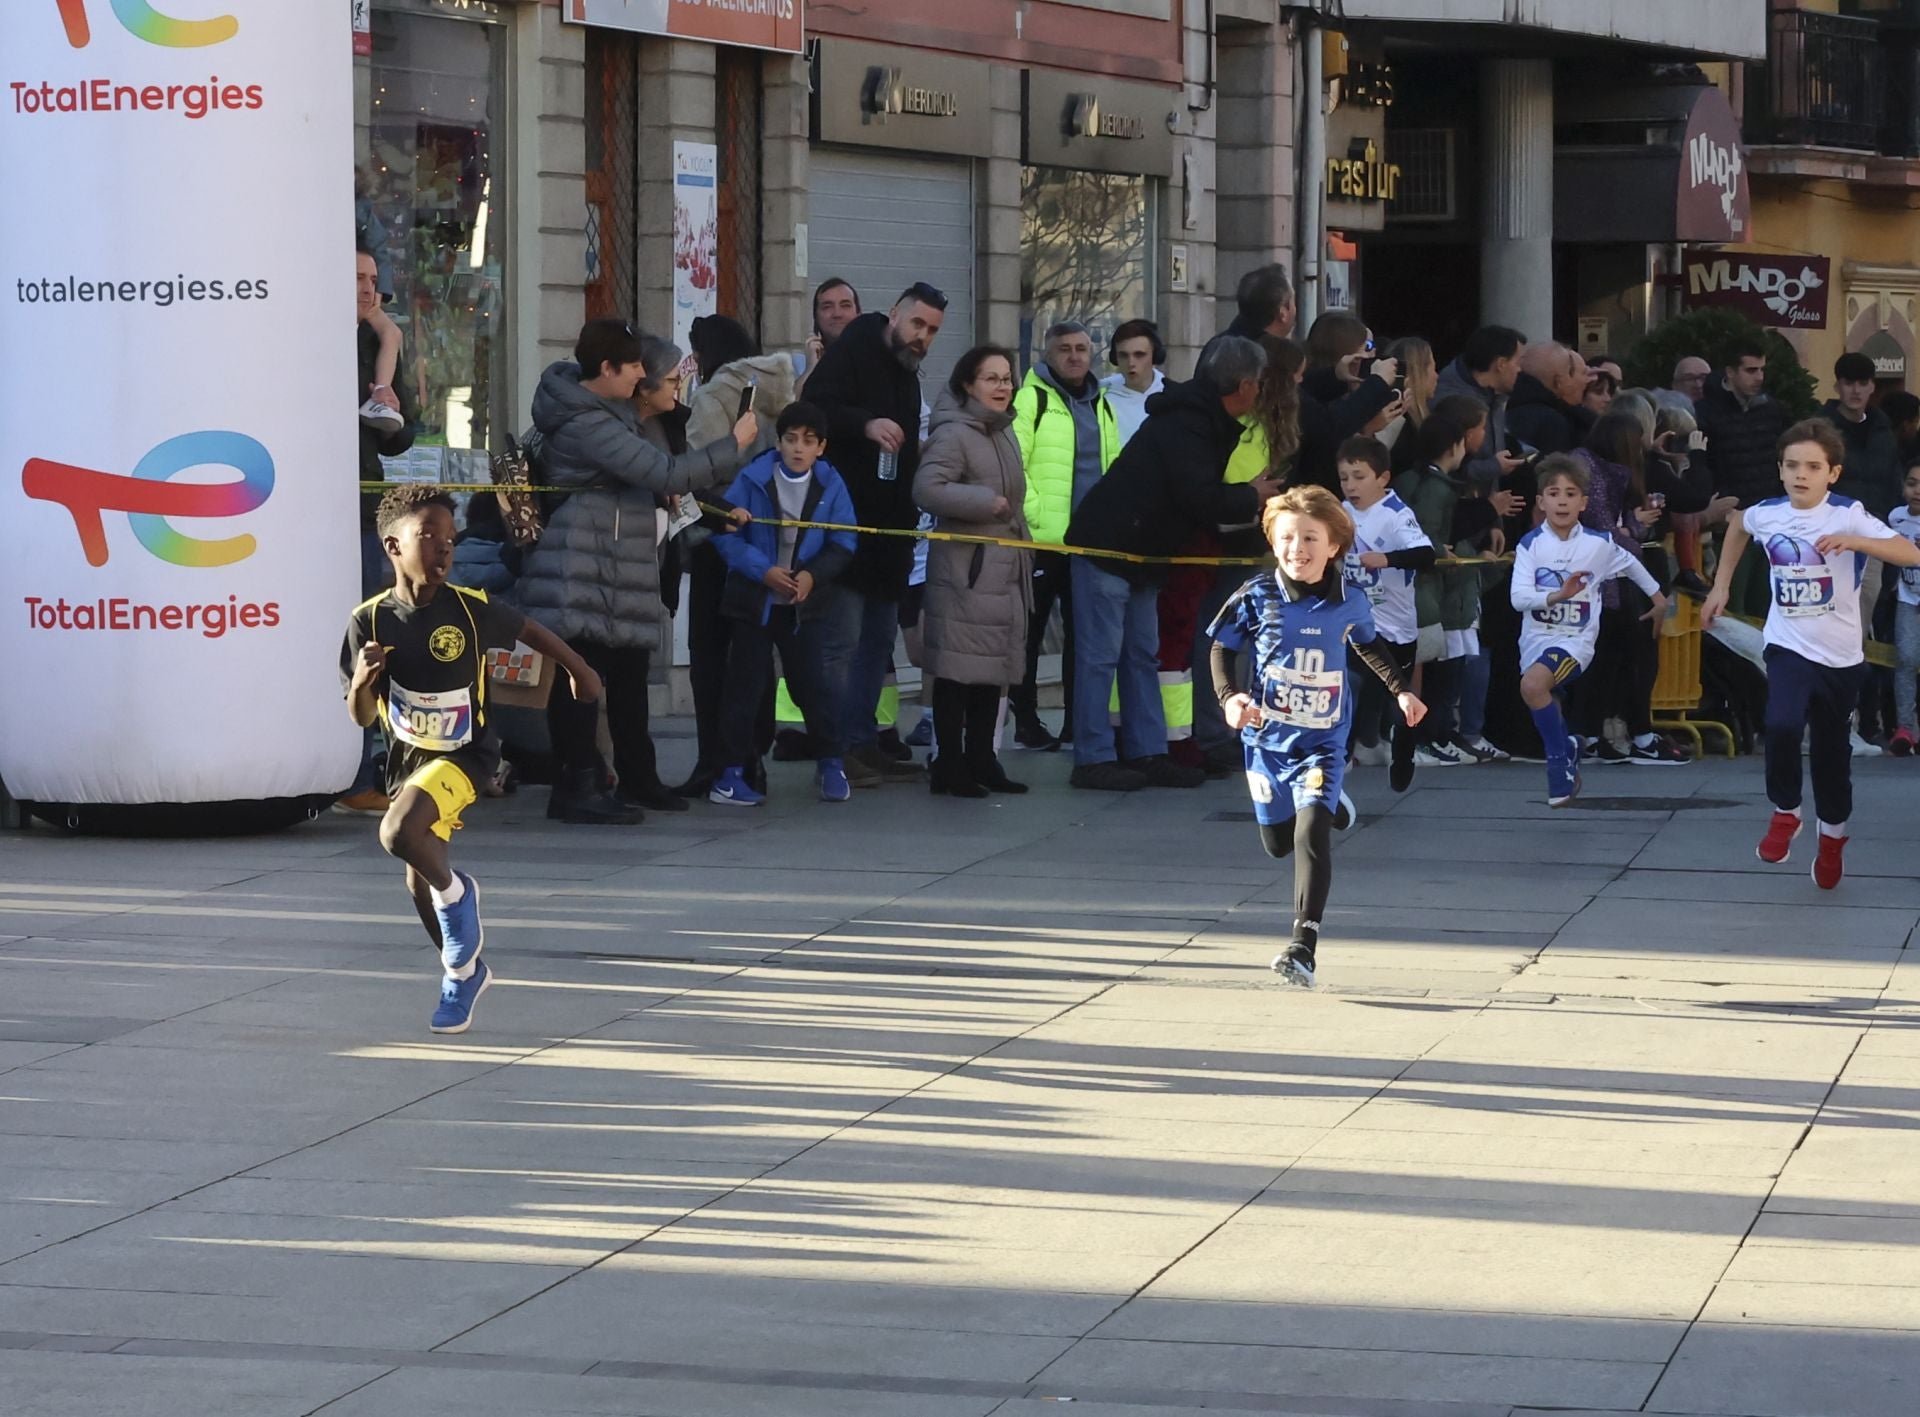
<point>1165,486</point>
<point>868,384</point>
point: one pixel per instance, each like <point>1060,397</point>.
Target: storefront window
<point>430,161</point>
<point>1086,252</point>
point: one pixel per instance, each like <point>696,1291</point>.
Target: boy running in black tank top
<point>415,659</point>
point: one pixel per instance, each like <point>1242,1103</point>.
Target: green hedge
<point>1712,334</point>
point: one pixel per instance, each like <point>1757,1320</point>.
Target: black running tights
<point>1308,838</point>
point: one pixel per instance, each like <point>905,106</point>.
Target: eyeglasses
<point>997,380</point>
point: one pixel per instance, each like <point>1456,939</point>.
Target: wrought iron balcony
<point>1823,85</point>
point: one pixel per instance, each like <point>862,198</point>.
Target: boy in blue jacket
<point>777,576</point>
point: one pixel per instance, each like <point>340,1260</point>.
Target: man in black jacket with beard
<point>1165,486</point>
<point>868,384</point>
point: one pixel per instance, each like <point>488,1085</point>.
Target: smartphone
<point>746,400</point>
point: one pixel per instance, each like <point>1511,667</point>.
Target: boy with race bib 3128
<point>1817,545</point>
<point>1298,623</point>
<point>1558,569</point>
<point>415,659</point>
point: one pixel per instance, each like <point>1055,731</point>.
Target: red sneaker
<point>1778,841</point>
<point>1902,744</point>
<point>1826,865</point>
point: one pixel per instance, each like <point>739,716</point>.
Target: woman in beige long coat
<point>978,596</point>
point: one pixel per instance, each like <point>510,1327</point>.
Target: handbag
<point>512,472</point>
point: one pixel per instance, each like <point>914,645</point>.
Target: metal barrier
<point>1676,688</point>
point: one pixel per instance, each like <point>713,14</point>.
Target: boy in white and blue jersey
<point>1817,547</point>
<point>1298,623</point>
<point>1389,549</point>
<point>1905,521</point>
<point>1558,569</point>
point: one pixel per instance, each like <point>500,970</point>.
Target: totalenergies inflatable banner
<point>178,533</point>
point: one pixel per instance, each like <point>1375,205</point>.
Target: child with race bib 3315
<point>1558,569</point>
<point>1298,622</point>
<point>1817,545</point>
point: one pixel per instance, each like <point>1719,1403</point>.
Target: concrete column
<point>1255,153</point>
<point>1516,208</point>
<point>547,270</point>
<point>677,103</point>
<point>997,227</point>
<point>786,316</point>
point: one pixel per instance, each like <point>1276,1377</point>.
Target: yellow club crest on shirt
<point>1313,779</point>
<point>447,643</point>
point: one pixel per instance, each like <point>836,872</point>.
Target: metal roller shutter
<point>883,221</point>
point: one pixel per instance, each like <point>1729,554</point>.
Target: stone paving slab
<point>113,1385</point>
<point>1340,1372</point>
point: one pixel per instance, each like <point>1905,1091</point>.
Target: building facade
<point>1833,153</point>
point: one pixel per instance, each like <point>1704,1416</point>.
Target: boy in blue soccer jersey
<point>1817,545</point>
<point>1298,622</point>
<point>1558,569</point>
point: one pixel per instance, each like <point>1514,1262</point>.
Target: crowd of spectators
<point>1093,447</point>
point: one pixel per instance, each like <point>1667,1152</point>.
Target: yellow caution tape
<point>963,538</point>
<point>1876,652</point>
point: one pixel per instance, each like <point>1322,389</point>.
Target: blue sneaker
<point>731,790</point>
<point>457,998</point>
<point>461,933</point>
<point>1563,775</point>
<point>831,775</point>
<point>922,735</point>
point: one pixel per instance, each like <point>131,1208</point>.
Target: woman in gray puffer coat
<point>978,596</point>
<point>594,576</point>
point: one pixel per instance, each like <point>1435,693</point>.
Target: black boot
<point>982,717</point>
<point>949,777</point>
<point>990,775</point>
<point>578,798</point>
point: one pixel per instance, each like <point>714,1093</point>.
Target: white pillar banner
<point>178,534</point>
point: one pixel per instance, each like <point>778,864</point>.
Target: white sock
<point>466,971</point>
<point>1646,740</point>
<point>451,895</point>
<point>1790,811</point>
<point>1829,829</point>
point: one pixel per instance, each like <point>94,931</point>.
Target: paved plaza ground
<point>922,1108</point>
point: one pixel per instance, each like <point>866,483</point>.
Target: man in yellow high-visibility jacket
<point>1068,438</point>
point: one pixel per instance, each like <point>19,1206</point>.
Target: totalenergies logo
<point>143,22</point>
<point>149,496</point>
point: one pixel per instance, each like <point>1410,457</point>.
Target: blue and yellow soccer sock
<point>1553,730</point>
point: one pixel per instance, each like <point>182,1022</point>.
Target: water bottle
<point>889,466</point>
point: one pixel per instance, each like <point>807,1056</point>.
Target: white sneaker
<point>1378,756</point>
<point>375,412</point>
<point>1862,748</point>
<point>1483,750</point>
<point>1439,755</point>
<point>1294,965</point>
